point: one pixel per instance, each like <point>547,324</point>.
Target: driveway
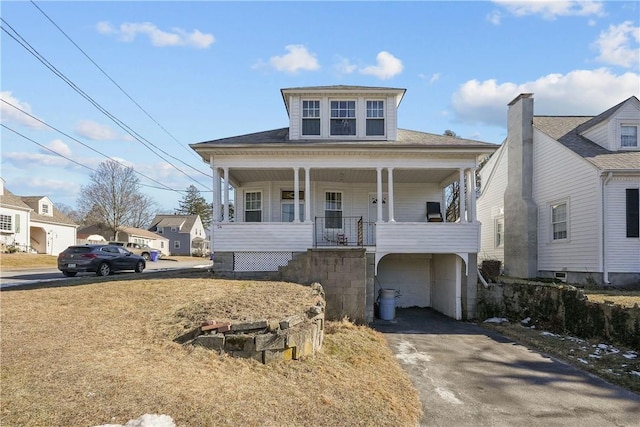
<point>468,376</point>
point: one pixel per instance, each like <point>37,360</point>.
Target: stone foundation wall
<point>264,340</point>
<point>560,309</point>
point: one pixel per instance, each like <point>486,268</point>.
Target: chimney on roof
<point>520,211</point>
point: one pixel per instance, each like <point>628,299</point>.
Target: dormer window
<point>375,118</point>
<point>343,118</point>
<point>311,118</point>
<point>45,209</point>
<point>628,136</point>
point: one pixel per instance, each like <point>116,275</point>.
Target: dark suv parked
<point>101,259</point>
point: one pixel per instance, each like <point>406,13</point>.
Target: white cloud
<point>32,160</point>
<point>48,186</point>
<point>96,131</point>
<point>387,66</point>
<point>620,45</point>
<point>344,66</point>
<point>552,9</point>
<point>495,17</point>
<point>298,58</point>
<point>580,92</point>
<point>59,147</point>
<point>434,78</point>
<point>9,114</point>
<point>176,37</point>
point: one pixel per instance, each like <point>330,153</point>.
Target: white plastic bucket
<point>387,304</point>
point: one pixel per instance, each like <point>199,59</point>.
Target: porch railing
<point>344,231</point>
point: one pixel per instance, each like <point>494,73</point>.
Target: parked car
<point>138,249</point>
<point>101,259</point>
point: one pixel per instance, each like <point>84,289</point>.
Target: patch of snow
<point>595,356</point>
<point>583,361</point>
<point>526,321</point>
<point>448,396</point>
<point>147,420</point>
<point>548,334</point>
<point>408,354</point>
<point>635,373</point>
<point>630,355</point>
<point>603,346</point>
<point>496,320</point>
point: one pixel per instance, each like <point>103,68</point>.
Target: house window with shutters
<point>311,118</point>
<point>5,223</point>
<point>559,221</point>
<point>633,212</point>
<point>253,206</point>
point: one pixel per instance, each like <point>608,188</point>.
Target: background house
<point>126,234</point>
<point>33,224</point>
<point>560,197</point>
<point>340,197</point>
<point>185,233</point>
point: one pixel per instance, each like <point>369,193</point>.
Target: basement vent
<point>560,275</point>
<point>260,261</point>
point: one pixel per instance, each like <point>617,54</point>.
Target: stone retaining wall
<point>292,337</point>
<point>560,309</point>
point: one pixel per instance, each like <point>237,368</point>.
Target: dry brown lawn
<point>102,353</point>
<point>623,298</point>
<point>21,260</point>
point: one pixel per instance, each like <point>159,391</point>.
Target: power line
<point>69,82</point>
<point>166,187</point>
<point>114,82</point>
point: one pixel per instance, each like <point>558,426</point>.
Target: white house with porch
<point>343,176</point>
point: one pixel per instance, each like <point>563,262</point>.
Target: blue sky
<point>206,70</point>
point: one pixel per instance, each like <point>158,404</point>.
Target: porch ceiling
<point>241,176</point>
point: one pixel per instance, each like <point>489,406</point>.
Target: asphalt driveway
<point>469,376</point>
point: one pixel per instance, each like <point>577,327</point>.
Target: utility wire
<point>116,84</point>
<point>164,187</point>
<point>58,73</point>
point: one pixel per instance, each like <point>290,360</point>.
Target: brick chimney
<point>520,211</point>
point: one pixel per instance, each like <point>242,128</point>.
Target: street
<point>10,278</point>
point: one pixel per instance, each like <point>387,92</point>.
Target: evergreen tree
<point>194,204</point>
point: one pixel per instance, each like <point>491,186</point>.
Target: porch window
<point>311,118</point>
<point>287,201</point>
<point>375,118</point>
<point>343,118</point>
<point>333,210</point>
<point>253,206</point>
<point>628,136</point>
<point>5,223</point>
<point>499,232</point>
<point>559,221</point>
<point>633,212</point>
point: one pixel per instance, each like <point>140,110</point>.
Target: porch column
<point>296,195</point>
<point>218,190</point>
<point>444,205</point>
<point>472,195</point>
<point>379,204</point>
<point>215,191</point>
<point>390,189</point>
<point>226,195</point>
<point>462,194</point>
<point>307,195</point>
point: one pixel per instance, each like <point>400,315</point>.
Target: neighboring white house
<point>343,176</point>
<point>185,234</point>
<point>33,224</point>
<point>560,196</point>
<point>141,236</point>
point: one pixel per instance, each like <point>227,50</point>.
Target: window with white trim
<point>333,210</point>
<point>499,230</point>
<point>176,244</point>
<point>559,222</point>
<point>253,206</point>
<point>287,201</point>
<point>628,136</point>
<point>633,212</point>
<point>45,209</point>
<point>311,118</point>
<point>5,223</point>
<point>375,118</point>
<point>343,118</point>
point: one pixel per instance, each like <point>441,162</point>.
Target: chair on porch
<point>336,237</point>
<point>433,212</point>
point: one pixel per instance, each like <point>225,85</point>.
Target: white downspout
<point>605,269</point>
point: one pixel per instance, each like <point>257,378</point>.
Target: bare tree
<point>70,213</point>
<point>144,212</point>
<point>113,198</point>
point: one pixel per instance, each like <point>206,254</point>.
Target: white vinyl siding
<point>609,133</point>
<point>491,203</point>
<point>558,173</point>
<point>622,252</point>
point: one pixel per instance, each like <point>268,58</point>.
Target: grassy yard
<point>20,260</point>
<point>102,352</point>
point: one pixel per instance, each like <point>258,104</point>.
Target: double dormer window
<point>345,118</point>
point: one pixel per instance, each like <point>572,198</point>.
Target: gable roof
<point>567,131</point>
<point>183,221</point>
<point>11,200</point>
<point>406,138</point>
